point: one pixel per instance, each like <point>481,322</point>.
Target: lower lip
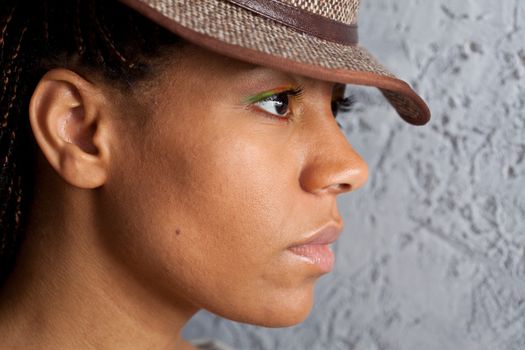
<point>320,255</point>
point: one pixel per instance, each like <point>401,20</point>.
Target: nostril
<point>341,187</point>
<point>344,187</point>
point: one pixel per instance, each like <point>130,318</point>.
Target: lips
<point>315,249</point>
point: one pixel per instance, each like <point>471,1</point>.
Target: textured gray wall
<point>433,252</point>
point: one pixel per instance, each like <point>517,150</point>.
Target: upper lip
<point>326,235</point>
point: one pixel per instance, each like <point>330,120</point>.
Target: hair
<point>88,36</point>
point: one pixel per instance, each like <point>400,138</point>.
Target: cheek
<point>209,215</point>
<point>242,206</point>
<point>232,201</point>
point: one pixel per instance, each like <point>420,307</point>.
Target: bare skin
<point>148,212</point>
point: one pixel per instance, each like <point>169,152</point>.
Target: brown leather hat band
<point>303,21</point>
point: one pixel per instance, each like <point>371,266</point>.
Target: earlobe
<point>66,114</point>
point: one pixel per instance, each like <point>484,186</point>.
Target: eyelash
<point>296,93</point>
<point>344,104</point>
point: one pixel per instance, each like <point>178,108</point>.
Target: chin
<point>285,318</point>
<point>279,311</point>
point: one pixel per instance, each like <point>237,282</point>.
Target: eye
<point>277,104</point>
<point>342,105</point>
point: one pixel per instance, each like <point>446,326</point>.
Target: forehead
<point>200,66</point>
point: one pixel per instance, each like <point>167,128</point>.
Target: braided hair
<point>101,36</point>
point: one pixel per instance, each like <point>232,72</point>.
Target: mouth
<point>315,249</point>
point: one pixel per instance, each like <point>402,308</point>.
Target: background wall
<point>433,252</point>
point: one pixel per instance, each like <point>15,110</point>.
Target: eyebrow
<point>255,74</point>
<point>262,73</point>
<point>265,94</point>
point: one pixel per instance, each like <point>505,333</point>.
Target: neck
<point>65,293</point>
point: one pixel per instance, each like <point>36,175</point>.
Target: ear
<point>66,114</point>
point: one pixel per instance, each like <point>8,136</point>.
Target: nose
<point>332,165</point>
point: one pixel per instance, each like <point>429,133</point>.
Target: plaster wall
<point>433,252</point>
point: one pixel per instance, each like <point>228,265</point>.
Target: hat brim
<point>235,32</point>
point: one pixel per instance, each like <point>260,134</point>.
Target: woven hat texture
<point>345,11</point>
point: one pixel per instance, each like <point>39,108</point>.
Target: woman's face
<point>232,165</point>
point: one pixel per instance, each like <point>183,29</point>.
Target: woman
<point>162,157</point>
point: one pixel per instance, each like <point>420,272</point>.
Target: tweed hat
<point>314,38</point>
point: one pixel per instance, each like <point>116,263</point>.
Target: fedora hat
<point>314,38</point>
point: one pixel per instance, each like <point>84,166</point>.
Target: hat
<point>314,38</point>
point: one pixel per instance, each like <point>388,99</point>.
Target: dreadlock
<point>101,36</point>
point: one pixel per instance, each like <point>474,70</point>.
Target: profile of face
<point>223,168</point>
